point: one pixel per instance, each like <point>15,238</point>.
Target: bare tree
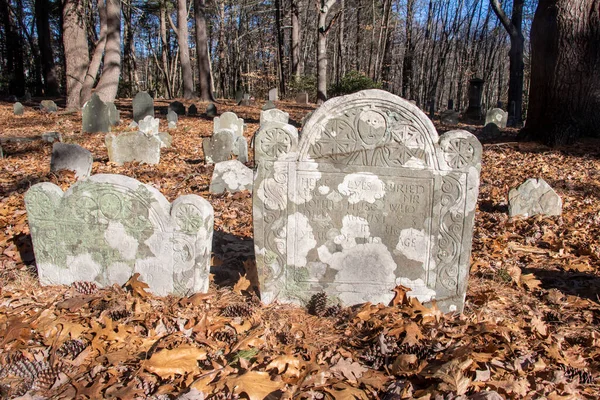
<point>76,50</point>
<point>181,30</point>
<point>204,81</point>
<point>324,27</point>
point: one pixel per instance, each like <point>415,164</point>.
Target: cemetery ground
<point>529,328</point>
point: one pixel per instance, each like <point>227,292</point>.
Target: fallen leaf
<point>242,284</point>
<point>136,286</point>
<point>400,295</point>
<point>256,384</point>
<point>180,360</point>
<point>346,368</point>
<point>531,283</point>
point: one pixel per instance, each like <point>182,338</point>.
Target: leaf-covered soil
<point>529,329</point>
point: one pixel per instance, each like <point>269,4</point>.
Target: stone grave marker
<point>246,100</point>
<point>219,146</point>
<point>449,117</point>
<point>274,115</point>
<point>12,98</point>
<point>95,116</point>
<point>534,197</point>
<point>133,146</point>
<point>211,110</point>
<point>368,199</point>
<point>166,140</point>
<point>143,106</point>
<point>114,116</point>
<point>268,106</point>
<point>108,227</point>
<point>273,94</point>
<point>18,108</point>
<point>178,107</point>
<point>48,106</point>
<point>26,97</point>
<point>71,157</point>
<point>496,116</point>
<point>172,119</point>
<point>192,110</point>
<point>232,176</point>
<point>302,98</point>
<point>149,125</point>
<point>229,120</point>
<point>51,137</point>
<point>239,96</point>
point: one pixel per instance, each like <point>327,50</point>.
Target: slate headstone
<point>73,158</point>
<point>48,106</point>
<point>143,106</point>
<point>497,116</point>
<point>219,146</point>
<point>108,227</point>
<point>368,199</point>
<point>211,110</point>
<point>172,119</point>
<point>268,106</point>
<point>51,137</point>
<point>18,108</point>
<point>232,176</point>
<point>449,117</point>
<point>273,94</point>
<point>95,116</point>
<point>133,146</point>
<point>534,197</point>
<point>26,97</point>
<point>229,120</point>
<point>475,98</point>
<point>239,96</point>
<point>114,116</point>
<point>302,98</point>
<point>192,110</point>
<point>274,115</point>
<point>178,107</point>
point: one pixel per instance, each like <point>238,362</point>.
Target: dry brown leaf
<point>343,391</point>
<point>256,384</point>
<point>413,334</point>
<point>400,295</point>
<point>346,368</point>
<point>180,360</point>
<point>512,386</point>
<point>531,283</point>
<point>288,365</point>
<point>539,326</point>
<point>136,286</point>
<point>242,284</point>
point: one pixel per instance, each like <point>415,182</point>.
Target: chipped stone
<point>133,146</point>
<point>534,197</point>
<point>51,137</point>
<point>229,120</point>
<point>232,176</point>
<point>219,146</point>
<point>114,116</point>
<point>71,157</point>
<point>48,106</point>
<point>149,125</point>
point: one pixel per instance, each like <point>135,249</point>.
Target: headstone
<point>95,116</point>
<point>229,120</point>
<point>211,110</point>
<point>178,107</point>
<point>172,125</point>
<point>239,96</point>
<point>219,146</point>
<point>133,146</point>
<point>534,197</point>
<point>172,119</point>
<point>108,227</point>
<point>240,149</point>
<point>475,97</point>
<point>73,158</point>
<point>246,100</point>
<point>268,106</point>
<point>18,108</point>
<point>114,116</point>
<point>489,131</point>
<point>51,137</point>
<point>450,104</point>
<point>449,117</point>
<point>12,98</point>
<point>143,106</point>
<point>133,124</point>
<point>166,140</point>
<point>302,98</point>
<point>192,110</point>
<point>149,125</point>
<point>274,115</point>
<point>232,176</point>
<point>497,116</point>
<point>48,106</point>
<point>273,94</point>
<point>369,198</point>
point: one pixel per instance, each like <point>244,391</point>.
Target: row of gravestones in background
<point>367,199</point>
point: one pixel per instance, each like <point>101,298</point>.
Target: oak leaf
<point>400,295</point>
<point>242,284</point>
<point>346,368</point>
<point>256,384</point>
<point>413,334</point>
<point>531,283</point>
<point>178,361</point>
<point>136,286</point>
<point>289,365</point>
<point>342,391</point>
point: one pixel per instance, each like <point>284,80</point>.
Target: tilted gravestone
<point>108,227</point>
<point>73,158</point>
<point>172,119</point>
<point>302,98</point>
<point>149,125</point>
<point>114,116</point>
<point>246,100</point>
<point>274,115</point>
<point>48,106</point>
<point>18,108</point>
<point>273,94</point>
<point>178,107</point>
<point>143,105</point>
<point>496,116</point>
<point>239,96</point>
<point>95,116</point>
<point>232,176</point>
<point>368,199</point>
<point>268,106</point>
<point>230,121</point>
<point>219,146</point>
<point>534,197</point>
<point>133,146</point>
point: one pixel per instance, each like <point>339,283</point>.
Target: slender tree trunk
<point>357,63</point>
<point>164,50</point>
<point>279,31</point>
<point>76,50</point>
<point>184,49</point>
<point>42,12</point>
<point>295,40</point>
<point>409,50</point>
<point>204,81</point>
<point>94,67</point>
<point>324,8</point>
<point>14,51</point>
<point>222,65</point>
<point>108,85</point>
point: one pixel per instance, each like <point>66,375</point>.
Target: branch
<point>510,28</point>
<point>172,24</point>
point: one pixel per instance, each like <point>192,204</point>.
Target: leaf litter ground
<point>529,329</point>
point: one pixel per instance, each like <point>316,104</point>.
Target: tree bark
<point>565,78</point>
<point>409,50</point>
<point>76,50</point>
<point>184,49</point>
<point>204,81</point>
<point>295,40</point>
<point>108,85</point>
<point>96,61</point>
<point>163,49</point>
<point>324,28</point>
<point>279,31</point>
<point>42,12</point>
<point>14,52</point>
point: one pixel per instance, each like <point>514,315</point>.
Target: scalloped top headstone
<point>108,227</point>
<point>274,115</point>
<point>133,146</point>
<point>369,198</point>
<point>229,120</point>
<point>143,105</point>
<point>95,116</point>
<point>496,116</point>
<point>72,157</point>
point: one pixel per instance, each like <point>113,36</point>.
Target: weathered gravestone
<point>149,125</point>
<point>368,199</point>
<point>449,117</point>
<point>95,116</point>
<point>178,107</point>
<point>475,98</point>
<point>18,108</point>
<point>172,119</point>
<point>239,96</point>
<point>26,97</point>
<point>133,146</point>
<point>48,106</point>
<point>12,98</point>
<point>71,157</point>
<point>231,175</point>
<point>114,116</point>
<point>192,110</point>
<point>230,121</point>
<point>273,94</point>
<point>534,197</point>
<point>496,116</point>
<point>211,110</point>
<point>219,146</point>
<point>143,105</point>
<point>51,137</point>
<point>302,98</point>
<point>246,100</point>
<point>274,115</point>
<point>108,227</point>
<point>268,106</point>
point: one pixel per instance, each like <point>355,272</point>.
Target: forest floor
<point>529,329</point>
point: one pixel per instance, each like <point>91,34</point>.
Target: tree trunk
<point>295,40</point>
<point>204,81</point>
<point>322,49</point>
<point>184,49</point>
<point>76,50</point>
<point>108,85</point>
<point>409,50</point>
<point>163,52</point>
<point>565,78</point>
<point>14,52</point>
<point>279,32</point>
<point>42,13</point>
<point>96,61</point>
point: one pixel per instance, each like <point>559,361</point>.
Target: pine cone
<point>238,310</point>
<point>422,352</point>
<point>45,379</point>
<point>383,351</point>
<point>317,305</point>
<point>71,348</point>
<point>572,373</point>
<point>285,337</point>
<point>227,335</point>
<point>116,315</point>
<point>332,311</point>
<point>147,386</point>
<point>85,287</point>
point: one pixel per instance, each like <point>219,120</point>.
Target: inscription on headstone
<point>368,199</point>
<point>108,227</point>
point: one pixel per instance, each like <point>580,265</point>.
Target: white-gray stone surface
<point>274,115</point>
<point>302,98</point>
<point>496,116</point>
<point>108,227</point>
<point>18,108</point>
<point>368,199</point>
<point>133,146</point>
<point>219,147</point>
<point>73,158</point>
<point>534,197</point>
<point>229,120</point>
<point>94,116</point>
<point>166,140</point>
<point>51,137</point>
<point>114,116</point>
<point>143,106</point>
<point>232,176</point>
<point>149,125</point>
<point>48,106</point>
<point>273,94</point>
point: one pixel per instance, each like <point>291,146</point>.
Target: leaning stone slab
<point>534,197</point>
<point>219,146</point>
<point>18,108</point>
<point>166,140</point>
<point>274,115</point>
<point>143,105</point>
<point>369,198</point>
<point>133,146</point>
<point>232,176</point>
<point>48,106</point>
<point>95,116</point>
<point>51,137</point>
<point>496,116</point>
<point>229,120</point>
<point>108,227</point>
<point>71,157</point>
<point>114,116</point>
